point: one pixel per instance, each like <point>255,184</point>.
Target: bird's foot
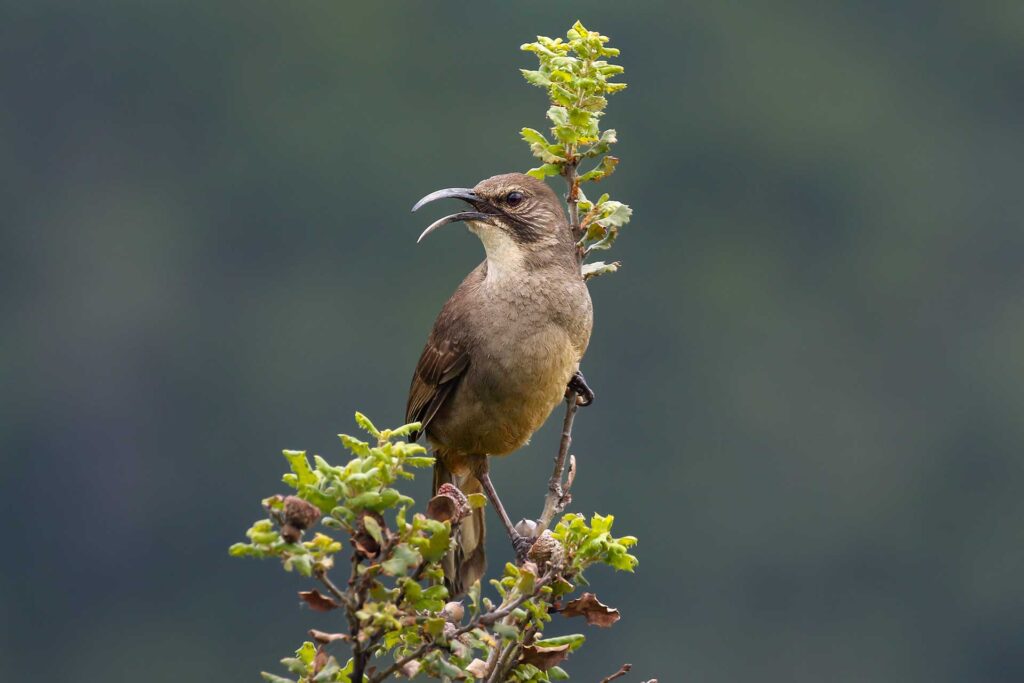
<point>584,394</point>
<point>522,545</point>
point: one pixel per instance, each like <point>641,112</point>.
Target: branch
<point>557,498</point>
<point>482,620</point>
<point>623,670</point>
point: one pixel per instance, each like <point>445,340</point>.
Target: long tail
<point>466,563</point>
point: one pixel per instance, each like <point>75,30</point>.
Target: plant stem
<point>623,670</point>
<point>482,620</point>
<point>552,501</point>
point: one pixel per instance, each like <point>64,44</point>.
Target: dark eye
<point>514,198</point>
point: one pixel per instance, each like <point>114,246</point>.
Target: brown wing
<point>441,365</point>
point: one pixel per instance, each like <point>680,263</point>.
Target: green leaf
<point>407,429</point>
<point>534,136</point>
<point>614,214</point>
<point>275,679</point>
<point>366,425</point>
<point>306,652</point>
<point>573,641</point>
<point>535,77</point>
<point>438,544</point>
<point>542,172</point>
<point>477,500</point>
<point>557,673</point>
<point>403,557</point>
<point>505,630</point>
<point>559,116</point>
<point>300,466</point>
<point>373,528</point>
<point>602,171</point>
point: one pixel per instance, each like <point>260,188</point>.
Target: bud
<point>547,550</point>
<point>299,513</point>
<point>453,612</point>
<point>450,504</point>
<point>527,528</point>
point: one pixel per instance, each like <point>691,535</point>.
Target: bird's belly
<point>499,405</point>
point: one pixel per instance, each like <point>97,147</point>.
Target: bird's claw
<point>584,394</point>
<point>522,545</point>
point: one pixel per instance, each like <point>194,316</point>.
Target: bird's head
<point>515,215</point>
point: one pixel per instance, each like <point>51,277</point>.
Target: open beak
<point>462,193</point>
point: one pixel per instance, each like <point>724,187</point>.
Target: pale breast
<point>529,347</point>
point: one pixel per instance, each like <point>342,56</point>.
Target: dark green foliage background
<point>809,371</point>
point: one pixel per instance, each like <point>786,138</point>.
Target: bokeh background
<point>809,371</point>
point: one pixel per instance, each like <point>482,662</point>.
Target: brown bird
<point>504,348</point>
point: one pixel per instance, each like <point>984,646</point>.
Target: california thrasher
<point>503,349</point>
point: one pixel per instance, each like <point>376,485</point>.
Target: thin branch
<point>482,620</point>
<point>415,654</point>
<point>502,667</point>
<point>491,617</point>
<point>623,670</point>
<point>329,585</point>
<point>553,501</point>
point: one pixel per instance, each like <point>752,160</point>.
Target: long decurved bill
<point>462,193</point>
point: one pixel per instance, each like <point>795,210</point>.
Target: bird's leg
<point>585,394</point>
<point>520,543</point>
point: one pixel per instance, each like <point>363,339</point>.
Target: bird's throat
<point>505,257</point>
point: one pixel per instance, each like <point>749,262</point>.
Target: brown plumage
<point>503,347</point>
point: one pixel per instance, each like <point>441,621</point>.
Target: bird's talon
<point>584,394</point>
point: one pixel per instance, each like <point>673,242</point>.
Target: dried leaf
<point>317,601</point>
<point>544,657</point>
<point>589,607</point>
<point>324,638</point>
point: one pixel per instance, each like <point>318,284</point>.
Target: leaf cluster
<point>577,76</point>
<point>399,617</point>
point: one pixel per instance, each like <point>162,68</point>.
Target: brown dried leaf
<point>324,638</point>
<point>544,657</point>
<point>589,607</point>
<point>320,661</point>
<point>317,601</point>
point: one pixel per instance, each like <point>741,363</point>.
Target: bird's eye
<point>514,198</point>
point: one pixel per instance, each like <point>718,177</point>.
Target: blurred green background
<point>809,371</point>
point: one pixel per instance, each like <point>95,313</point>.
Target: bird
<point>504,351</point>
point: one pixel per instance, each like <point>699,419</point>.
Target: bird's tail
<point>466,563</point>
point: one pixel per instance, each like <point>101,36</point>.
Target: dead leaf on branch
<point>325,638</point>
<point>544,657</point>
<point>317,601</point>
<point>593,610</point>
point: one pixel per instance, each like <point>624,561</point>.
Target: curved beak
<point>462,193</point>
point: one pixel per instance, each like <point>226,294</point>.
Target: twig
<point>329,585</point>
<point>482,620</point>
<point>553,501</point>
<point>623,670</point>
<point>415,654</point>
<point>502,667</point>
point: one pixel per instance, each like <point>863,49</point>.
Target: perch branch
<point>557,498</point>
